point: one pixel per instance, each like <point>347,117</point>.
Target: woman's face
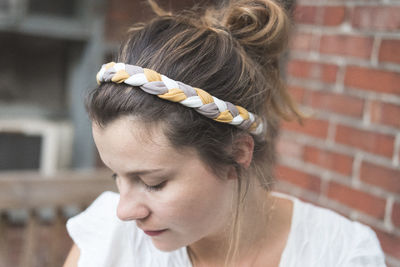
<point>163,188</point>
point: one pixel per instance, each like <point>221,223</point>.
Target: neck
<point>252,232</point>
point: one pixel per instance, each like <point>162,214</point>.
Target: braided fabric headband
<point>157,84</point>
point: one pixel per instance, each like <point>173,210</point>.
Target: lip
<point>154,233</point>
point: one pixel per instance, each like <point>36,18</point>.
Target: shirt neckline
<point>291,230</point>
<point>292,225</point>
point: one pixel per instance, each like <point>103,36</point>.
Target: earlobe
<point>243,150</point>
<point>232,174</point>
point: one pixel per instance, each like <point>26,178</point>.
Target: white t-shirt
<point>318,237</point>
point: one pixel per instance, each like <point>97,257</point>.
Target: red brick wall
<point>344,69</point>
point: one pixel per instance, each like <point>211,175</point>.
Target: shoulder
<point>101,213</point>
<point>104,240</point>
<point>321,235</point>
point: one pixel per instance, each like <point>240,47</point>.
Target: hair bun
<point>260,26</point>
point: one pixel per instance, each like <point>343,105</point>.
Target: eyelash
<point>157,187</point>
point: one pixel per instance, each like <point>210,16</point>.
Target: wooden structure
<point>43,243</point>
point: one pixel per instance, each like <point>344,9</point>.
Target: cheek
<point>195,206</point>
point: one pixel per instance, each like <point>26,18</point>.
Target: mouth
<point>154,233</point>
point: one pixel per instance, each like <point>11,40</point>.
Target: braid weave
<point>157,84</point>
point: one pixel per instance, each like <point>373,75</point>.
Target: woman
<point>187,120</point>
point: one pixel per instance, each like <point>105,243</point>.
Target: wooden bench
<point>43,243</point>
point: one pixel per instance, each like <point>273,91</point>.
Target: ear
<point>243,148</point>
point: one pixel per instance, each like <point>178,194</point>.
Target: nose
<point>131,208</point>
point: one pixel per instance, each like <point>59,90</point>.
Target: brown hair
<point>233,53</point>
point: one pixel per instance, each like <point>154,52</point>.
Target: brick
<point>126,9</point>
<point>372,142</point>
<point>329,72</point>
<point>334,15</point>
<point>389,51</point>
<point>121,15</point>
<point>115,30</point>
<point>338,103</point>
<point>376,80</point>
<point>127,6</point>
<point>359,200</point>
<point>299,68</point>
<point>385,113</point>
<point>289,148</point>
<point>384,18</point>
<point>347,45</point>
<point>297,93</point>
<point>396,214</point>
<point>312,70</point>
<point>301,41</point>
<point>313,127</point>
<point>390,243</point>
<point>386,178</point>
<point>305,14</point>
<point>298,178</point>
<point>330,160</point>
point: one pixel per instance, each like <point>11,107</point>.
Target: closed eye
<point>156,187</point>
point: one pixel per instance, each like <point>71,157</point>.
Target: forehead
<point>130,129</point>
<point>127,144</point>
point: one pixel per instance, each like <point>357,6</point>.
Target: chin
<point>165,246</point>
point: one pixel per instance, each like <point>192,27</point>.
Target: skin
<point>189,201</point>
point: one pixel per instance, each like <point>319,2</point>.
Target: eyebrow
<point>142,172</point>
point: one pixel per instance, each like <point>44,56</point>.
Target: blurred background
<point>343,67</point>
